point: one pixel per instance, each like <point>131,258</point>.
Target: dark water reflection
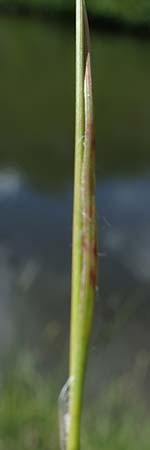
<point>36,153</point>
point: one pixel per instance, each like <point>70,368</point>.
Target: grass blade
<point>84,256</point>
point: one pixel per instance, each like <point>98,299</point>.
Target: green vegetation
<point>84,251</point>
<point>135,11</point>
<point>28,413</point>
<point>32,108</point>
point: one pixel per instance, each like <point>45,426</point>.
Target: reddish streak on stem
<point>93,277</point>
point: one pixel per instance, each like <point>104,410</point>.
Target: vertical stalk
<point>84,250</point>
<point>75,389</point>
<point>79,144</point>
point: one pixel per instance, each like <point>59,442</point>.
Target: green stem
<point>77,223</point>
<point>75,401</point>
<point>84,228</point>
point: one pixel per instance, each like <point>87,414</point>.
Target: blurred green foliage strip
<point>35,124</point>
<point>28,412</point>
<point>135,11</point>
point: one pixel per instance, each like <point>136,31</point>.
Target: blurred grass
<point>135,11</point>
<point>28,413</point>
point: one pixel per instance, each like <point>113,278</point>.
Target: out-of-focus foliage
<point>130,10</point>
<point>28,416</point>
<point>36,121</point>
<point>28,412</point>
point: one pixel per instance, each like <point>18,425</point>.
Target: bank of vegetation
<point>29,420</point>
<point>130,13</point>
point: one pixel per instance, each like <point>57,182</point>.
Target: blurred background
<point>36,194</point>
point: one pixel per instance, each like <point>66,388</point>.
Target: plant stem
<point>79,143</point>
<point>75,410</point>
<point>84,254</point>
